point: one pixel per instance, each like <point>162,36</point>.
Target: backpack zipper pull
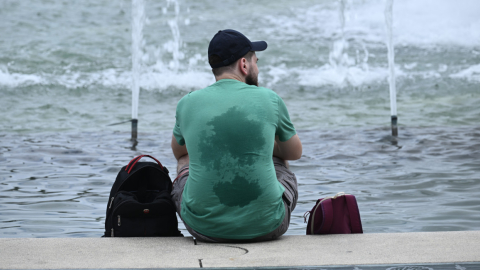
<point>111,233</point>
<point>119,221</point>
<point>111,202</point>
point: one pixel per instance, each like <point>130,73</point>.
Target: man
<point>229,188</point>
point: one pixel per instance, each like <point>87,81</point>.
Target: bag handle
<point>134,161</point>
<point>334,197</point>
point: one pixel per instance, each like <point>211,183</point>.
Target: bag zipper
<point>118,216</point>
<point>119,222</point>
<point>111,202</point>
<point>111,233</point>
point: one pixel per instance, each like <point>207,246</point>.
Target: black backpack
<point>140,203</point>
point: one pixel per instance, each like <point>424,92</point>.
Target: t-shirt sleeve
<point>177,132</point>
<point>285,129</point>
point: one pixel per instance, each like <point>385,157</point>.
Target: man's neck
<point>231,76</point>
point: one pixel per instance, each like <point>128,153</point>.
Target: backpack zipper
<point>111,233</point>
<point>118,216</point>
<point>111,202</point>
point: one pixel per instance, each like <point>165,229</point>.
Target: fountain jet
<point>391,66</point>
<point>138,20</point>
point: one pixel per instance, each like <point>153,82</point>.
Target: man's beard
<point>252,79</point>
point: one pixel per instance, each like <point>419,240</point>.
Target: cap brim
<point>259,46</point>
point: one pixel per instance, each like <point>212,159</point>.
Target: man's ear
<point>243,66</point>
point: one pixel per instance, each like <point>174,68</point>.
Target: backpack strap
<point>355,221</point>
<point>327,210</point>
<point>134,161</point>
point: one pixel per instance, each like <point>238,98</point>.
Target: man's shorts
<point>290,197</point>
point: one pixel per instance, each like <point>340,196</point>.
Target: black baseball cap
<point>231,45</point>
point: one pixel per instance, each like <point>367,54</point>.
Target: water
<point>391,65</point>
<point>66,74</point>
<point>425,266</point>
<point>138,21</point>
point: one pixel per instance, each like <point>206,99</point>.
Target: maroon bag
<point>334,215</point>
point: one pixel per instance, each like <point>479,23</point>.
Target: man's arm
<point>288,150</point>
<point>178,150</point>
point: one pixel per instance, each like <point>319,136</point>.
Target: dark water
<point>66,74</point>
<point>427,179</point>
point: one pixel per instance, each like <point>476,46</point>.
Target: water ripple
<point>57,185</point>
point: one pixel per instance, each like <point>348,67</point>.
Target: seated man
<point>229,188</point>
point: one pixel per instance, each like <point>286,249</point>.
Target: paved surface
<point>319,250</point>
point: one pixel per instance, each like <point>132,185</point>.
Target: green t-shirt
<point>229,128</point>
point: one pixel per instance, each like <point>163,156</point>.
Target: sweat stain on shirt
<point>229,149</point>
<point>228,192</point>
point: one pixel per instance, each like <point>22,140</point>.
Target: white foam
<point>430,22</point>
<point>472,74</point>
<point>415,22</point>
<point>186,80</point>
<point>275,75</point>
<point>18,79</point>
<point>410,65</point>
<point>341,77</point>
<point>150,79</point>
<point>154,79</point>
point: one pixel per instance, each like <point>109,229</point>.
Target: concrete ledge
<point>294,251</point>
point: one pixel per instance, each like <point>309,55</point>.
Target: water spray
<point>338,57</point>
<point>176,45</point>
<point>391,65</point>
<point>138,20</point>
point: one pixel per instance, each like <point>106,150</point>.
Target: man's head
<point>230,51</point>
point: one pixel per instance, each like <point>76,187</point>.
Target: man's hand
<point>178,150</point>
<point>288,150</point>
